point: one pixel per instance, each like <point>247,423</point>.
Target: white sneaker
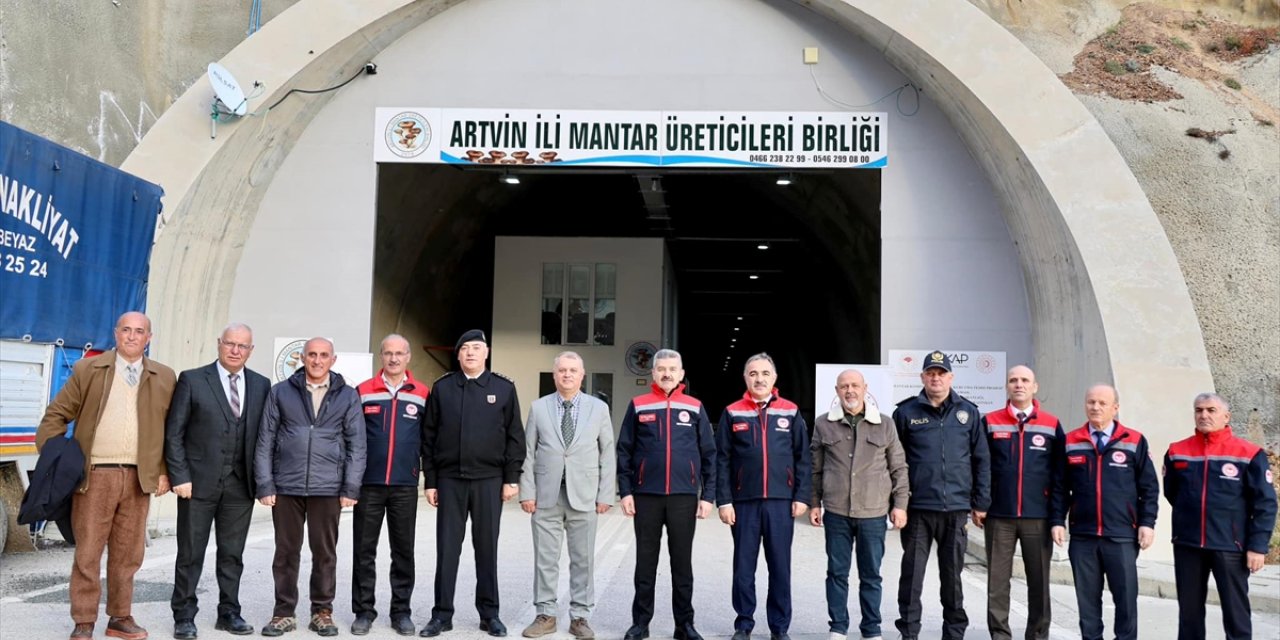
<point>837,636</point>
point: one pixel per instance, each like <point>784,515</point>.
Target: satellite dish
<point>227,89</point>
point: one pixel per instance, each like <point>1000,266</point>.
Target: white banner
<point>530,138</point>
<point>979,375</point>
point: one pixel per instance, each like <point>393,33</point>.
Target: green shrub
<point>1114,68</point>
<point>1233,83</point>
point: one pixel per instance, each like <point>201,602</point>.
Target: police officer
<point>472,450</point>
<point>1109,486</point>
<point>941,433</point>
<point>1224,510</point>
<point>392,403</point>
<point>1026,447</point>
<point>666,478</point>
<point>763,442</point>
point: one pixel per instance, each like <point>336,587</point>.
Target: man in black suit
<point>210,435</point>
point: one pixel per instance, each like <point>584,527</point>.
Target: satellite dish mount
<point>229,98</point>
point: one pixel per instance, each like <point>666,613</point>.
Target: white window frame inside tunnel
<point>593,298</point>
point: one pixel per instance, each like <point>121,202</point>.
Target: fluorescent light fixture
<point>754,277</point>
<point>763,246</point>
<point>510,178</point>
<point>785,179</point>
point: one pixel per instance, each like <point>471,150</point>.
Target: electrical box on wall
<point>811,55</point>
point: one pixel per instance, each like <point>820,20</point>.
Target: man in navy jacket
<point>1110,489</point>
<point>762,451</point>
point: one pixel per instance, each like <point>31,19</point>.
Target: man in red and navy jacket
<point>1026,445</point>
<point>764,467</point>
<point>1110,489</point>
<point>1224,510</point>
<point>666,478</point>
<point>392,402</point>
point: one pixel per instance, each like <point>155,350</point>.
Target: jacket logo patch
<point>647,417</point>
<point>919,421</point>
<point>1118,457</point>
<point>963,417</point>
<point>684,416</point>
<point>740,426</point>
<point>783,424</point>
<point>1002,435</point>
<point>1229,470</point>
<point>411,409</point>
<point>1076,459</point>
<point>1181,464</point>
<point>1038,440</point>
<point>492,399</point>
<point>371,409</point>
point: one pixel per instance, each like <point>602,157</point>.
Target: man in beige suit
<point>568,480</point>
<point>118,401</point>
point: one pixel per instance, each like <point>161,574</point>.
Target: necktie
<point>1022,419</point>
<point>566,421</point>
<point>235,394</point>
<point>131,376</point>
<point>1099,437</point>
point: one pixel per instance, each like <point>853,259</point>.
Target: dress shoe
<point>233,624</point>
<point>403,625</point>
<point>185,629</point>
<point>434,627</point>
<point>542,625</point>
<point>739,634</point>
<point>125,628</point>
<point>637,632</point>
<point>686,632</point>
<point>82,631</point>
<point>363,623</point>
<point>779,636</point>
<point>579,629</point>
<point>494,626</point>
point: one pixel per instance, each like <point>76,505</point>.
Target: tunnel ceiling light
<point>785,179</point>
<point>510,178</point>
<point>736,329</point>
<point>754,277</point>
<point>733,339</point>
<point>763,246</point>
<point>739,317</point>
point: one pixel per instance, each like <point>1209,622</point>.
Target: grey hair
<point>667,354</point>
<point>1113,389</point>
<point>332,349</point>
<point>760,356</point>
<point>236,326</point>
<point>555,362</point>
<point>393,336</point>
<point>1209,395</point>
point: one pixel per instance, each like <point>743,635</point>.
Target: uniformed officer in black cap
<point>947,452</point>
<point>472,450</point>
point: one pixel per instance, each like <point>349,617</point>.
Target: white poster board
<point>979,375</point>
<point>879,386</point>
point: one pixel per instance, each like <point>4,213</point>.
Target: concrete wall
<point>940,218</point>
<point>517,285</point>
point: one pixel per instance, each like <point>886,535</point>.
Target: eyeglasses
<point>234,346</point>
<point>395,354</point>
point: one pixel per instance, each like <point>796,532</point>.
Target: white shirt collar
<point>122,364</point>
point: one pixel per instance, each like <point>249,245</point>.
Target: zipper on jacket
<point>640,478</point>
<point>1097,460</point>
<point>1204,497</point>
<point>762,413</point>
<point>693,475</point>
<point>1021,450</point>
<point>391,442</point>
<point>668,444</point>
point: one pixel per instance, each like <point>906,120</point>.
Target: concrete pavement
<point>33,590</point>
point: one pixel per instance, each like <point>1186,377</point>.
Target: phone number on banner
<point>775,158</point>
<point>16,264</point>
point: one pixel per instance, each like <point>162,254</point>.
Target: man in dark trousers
<point>392,403</point>
<point>472,451</point>
<point>1026,452</point>
<point>666,478</point>
<point>1110,489</point>
<point>1224,510</point>
<point>763,442</point>
<point>941,433</point>
<point>210,436</point>
<point>308,465</point>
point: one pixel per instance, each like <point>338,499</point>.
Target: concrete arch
<point>1107,298</point>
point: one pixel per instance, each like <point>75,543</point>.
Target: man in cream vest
<point>568,480</point>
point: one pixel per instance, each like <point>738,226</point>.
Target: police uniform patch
<point>1229,470</point>
<point>491,398</point>
<point>1037,440</point>
<point>962,416</point>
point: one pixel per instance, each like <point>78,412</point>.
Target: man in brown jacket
<point>118,401</point>
<point>859,476</point>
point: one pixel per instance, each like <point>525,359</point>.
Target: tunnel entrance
<point>749,265</point>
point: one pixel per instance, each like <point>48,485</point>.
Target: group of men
<point>222,436</point>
